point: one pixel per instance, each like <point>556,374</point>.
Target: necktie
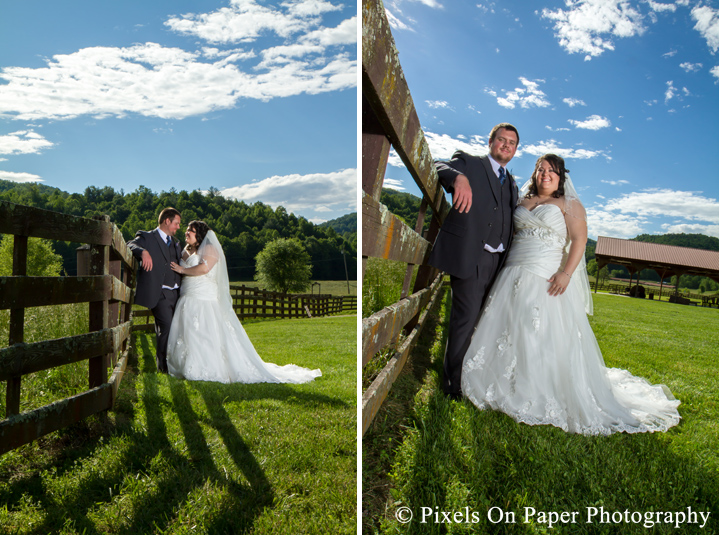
<point>502,176</point>
<point>169,241</point>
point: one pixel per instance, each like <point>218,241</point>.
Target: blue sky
<point>626,91</point>
<point>256,98</point>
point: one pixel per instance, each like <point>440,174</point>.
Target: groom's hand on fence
<point>146,261</point>
<point>462,196</point>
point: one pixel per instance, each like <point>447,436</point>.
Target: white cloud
<point>435,104</point>
<point>561,129</point>
<point>604,223</point>
<point>571,102</point>
<point>302,193</point>
<point>670,92</point>
<point>392,183</point>
<point>690,67</point>
<point>593,122</point>
<point>443,146</point>
<point>168,82</point>
<point>19,177</point>
<point>707,25</point>
<point>715,72</point>
<point>615,182</point>
<point>395,23</point>
<point>554,147</point>
<point>659,7</point>
<point>23,142</point>
<point>670,54</point>
<point>691,228</point>
<point>245,20</point>
<point>431,3</point>
<point>587,27</point>
<point>668,203</point>
<point>527,96</point>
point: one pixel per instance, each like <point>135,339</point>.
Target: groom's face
<point>171,226</point>
<point>503,146</point>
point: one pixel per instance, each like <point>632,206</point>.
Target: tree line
<point>243,229</point>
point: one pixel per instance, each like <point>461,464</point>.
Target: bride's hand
<point>177,268</point>
<point>560,281</point>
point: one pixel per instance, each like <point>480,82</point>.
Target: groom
<point>472,241</point>
<point>157,285</point>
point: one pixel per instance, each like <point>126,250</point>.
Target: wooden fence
<point>106,286</point>
<point>389,119</point>
<point>251,303</point>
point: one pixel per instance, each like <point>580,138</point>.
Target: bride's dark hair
<point>557,163</point>
<point>200,228</point>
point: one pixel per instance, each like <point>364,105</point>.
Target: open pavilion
<point>666,260</point>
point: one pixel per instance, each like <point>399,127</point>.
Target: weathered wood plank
<point>375,395</point>
<point>386,90</point>
<point>381,328</point>
<point>21,359</point>
<point>28,426</point>
<point>43,291</point>
<point>386,236</point>
<point>120,250</point>
<point>38,223</point>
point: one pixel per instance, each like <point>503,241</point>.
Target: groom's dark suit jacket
<point>459,245</point>
<point>149,283</point>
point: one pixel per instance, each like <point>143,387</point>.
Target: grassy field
<point>425,451</point>
<point>192,457</point>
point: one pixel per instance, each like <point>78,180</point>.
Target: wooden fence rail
<point>107,276</point>
<point>389,119</point>
<point>252,303</point>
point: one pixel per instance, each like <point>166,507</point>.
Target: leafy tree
<point>592,268</point>
<point>41,259</point>
<point>603,275</point>
<point>284,265</point>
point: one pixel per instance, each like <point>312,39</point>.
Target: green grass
<point>192,457</point>
<point>425,451</point>
<point>48,323</point>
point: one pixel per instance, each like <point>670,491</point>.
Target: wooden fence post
<point>99,265</point>
<point>17,325</point>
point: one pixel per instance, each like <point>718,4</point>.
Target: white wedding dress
<point>534,356</point>
<point>207,341</point>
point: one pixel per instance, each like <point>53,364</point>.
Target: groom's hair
<point>168,213</point>
<point>506,126</point>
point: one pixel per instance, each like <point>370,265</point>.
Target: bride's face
<point>190,237</point>
<point>547,179</point>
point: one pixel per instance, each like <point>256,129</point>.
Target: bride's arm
<point>577,230</point>
<point>207,262</point>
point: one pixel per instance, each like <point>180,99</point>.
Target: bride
<point>207,341</point>
<point>533,355</point>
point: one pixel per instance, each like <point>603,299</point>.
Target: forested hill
<point>695,241</point>
<point>405,206</point>
<point>345,225</point>
<point>244,229</point>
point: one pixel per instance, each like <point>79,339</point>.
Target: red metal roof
<point>657,254</point>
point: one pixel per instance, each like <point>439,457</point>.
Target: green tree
<point>41,258</point>
<point>592,268</point>
<point>284,265</point>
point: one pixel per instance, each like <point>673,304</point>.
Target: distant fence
<point>107,275</point>
<point>389,119</point>
<point>668,293</point>
<point>251,303</point>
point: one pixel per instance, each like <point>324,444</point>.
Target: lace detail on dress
<point>517,284</point>
<point>545,235</point>
<point>535,319</point>
<point>476,362</point>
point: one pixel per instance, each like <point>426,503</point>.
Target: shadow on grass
<point>146,451</point>
<point>449,456</point>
